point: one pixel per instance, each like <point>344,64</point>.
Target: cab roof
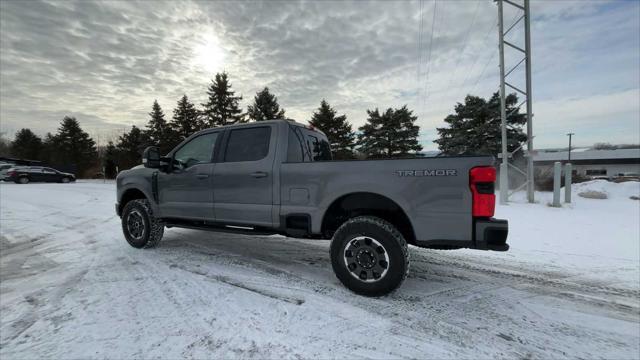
<point>276,121</point>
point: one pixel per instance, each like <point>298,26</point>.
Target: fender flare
<point>326,205</point>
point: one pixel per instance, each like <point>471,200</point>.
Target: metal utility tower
<point>504,167</point>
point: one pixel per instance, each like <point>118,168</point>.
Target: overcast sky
<point>105,62</point>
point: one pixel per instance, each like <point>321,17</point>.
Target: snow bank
<point>588,235</point>
<point>614,191</point>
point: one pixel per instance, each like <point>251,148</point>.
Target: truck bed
<point>435,191</point>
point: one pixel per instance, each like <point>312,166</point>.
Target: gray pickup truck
<point>277,177</point>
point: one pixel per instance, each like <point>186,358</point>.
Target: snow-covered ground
<point>72,288</point>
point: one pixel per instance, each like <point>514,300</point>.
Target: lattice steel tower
<point>506,165</point>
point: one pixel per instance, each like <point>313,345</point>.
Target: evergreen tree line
<point>221,108</point>
<point>70,145</point>
<point>392,133</point>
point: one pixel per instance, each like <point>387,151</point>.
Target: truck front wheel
<point>369,256</point>
<point>140,227</point>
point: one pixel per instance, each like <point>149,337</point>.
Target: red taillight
<point>481,182</point>
<point>11,173</point>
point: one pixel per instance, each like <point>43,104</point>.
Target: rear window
<point>248,144</point>
<point>306,145</point>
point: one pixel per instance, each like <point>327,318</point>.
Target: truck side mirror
<point>151,157</point>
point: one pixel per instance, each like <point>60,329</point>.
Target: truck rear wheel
<point>369,256</point>
<point>140,227</point>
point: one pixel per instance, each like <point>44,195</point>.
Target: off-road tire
<point>153,227</point>
<point>383,233</point>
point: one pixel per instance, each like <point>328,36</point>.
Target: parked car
<point>4,167</point>
<point>26,174</point>
<point>277,177</point>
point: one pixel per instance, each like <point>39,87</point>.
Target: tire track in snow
<point>396,307</point>
<point>548,286</point>
<point>241,285</point>
<point>465,274</point>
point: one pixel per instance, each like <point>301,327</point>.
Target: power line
<point>466,42</point>
<point>492,27</point>
<point>420,32</point>
<point>428,65</point>
<point>493,55</point>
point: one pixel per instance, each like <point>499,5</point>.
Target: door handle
<point>202,176</point>
<point>259,174</point>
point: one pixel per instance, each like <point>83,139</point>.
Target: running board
<point>218,227</point>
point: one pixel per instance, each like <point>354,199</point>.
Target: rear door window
<point>306,145</point>
<point>250,144</point>
<point>317,145</point>
<point>295,150</point>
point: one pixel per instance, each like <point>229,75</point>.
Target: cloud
<point>592,118</point>
<point>108,61</point>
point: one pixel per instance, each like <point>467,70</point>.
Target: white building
<point>605,163</point>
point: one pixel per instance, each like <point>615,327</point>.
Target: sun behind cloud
<point>208,55</point>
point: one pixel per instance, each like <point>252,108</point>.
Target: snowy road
<point>72,288</point>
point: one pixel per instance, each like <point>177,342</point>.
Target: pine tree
<point>265,107</point>
<point>110,161</point>
<point>158,130</point>
<point>390,134</point>
<point>72,145</point>
<point>186,119</point>
<point>27,145</point>
<point>475,127</point>
<point>48,148</point>
<point>130,147</point>
<point>338,130</point>
<point>222,107</point>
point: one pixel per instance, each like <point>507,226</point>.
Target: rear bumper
<point>488,234</point>
<point>491,234</point>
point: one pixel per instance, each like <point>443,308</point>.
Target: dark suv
<point>26,174</point>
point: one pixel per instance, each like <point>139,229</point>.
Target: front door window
<point>197,151</point>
